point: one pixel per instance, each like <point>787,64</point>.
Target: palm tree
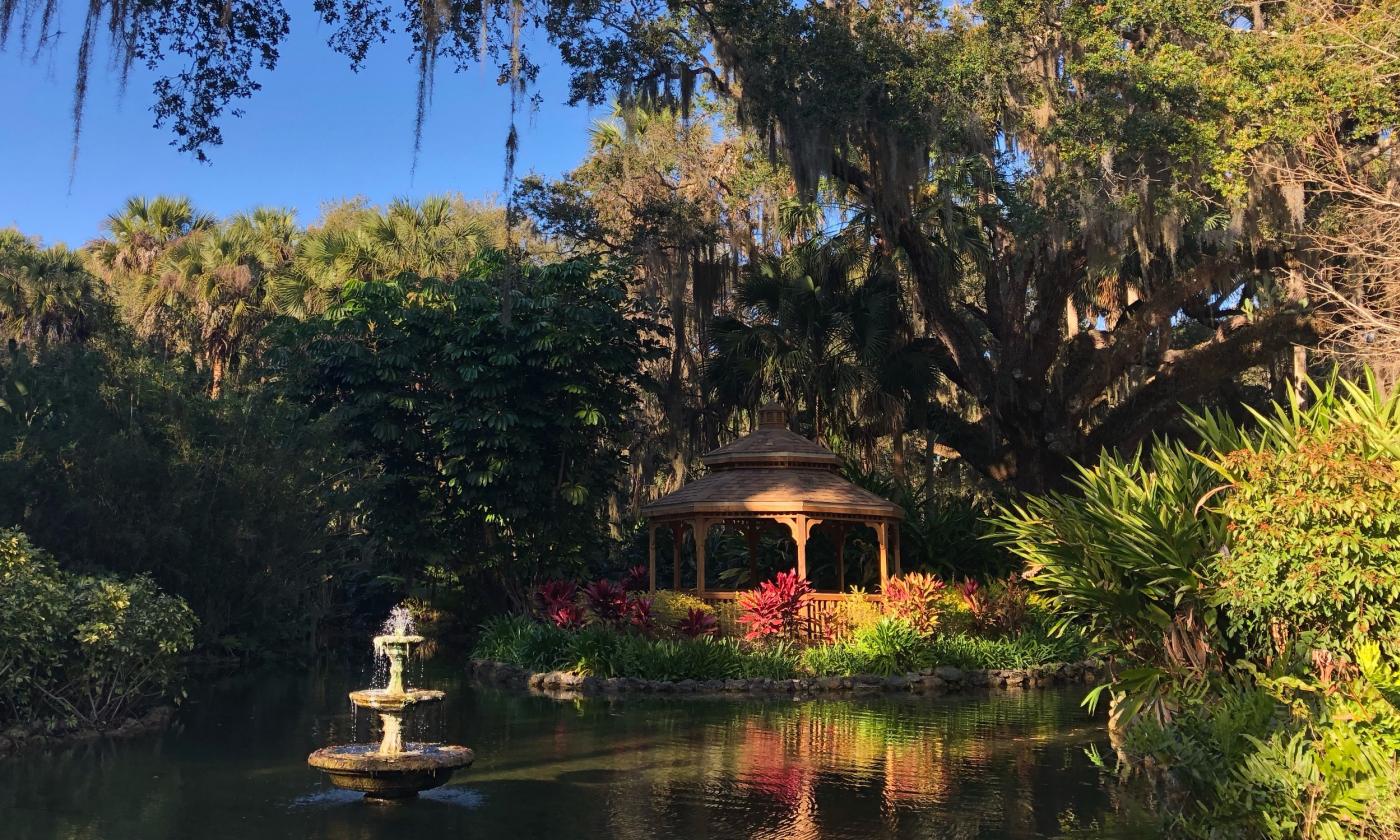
<point>220,275</point>
<point>437,237</point>
<point>45,294</point>
<point>128,260</point>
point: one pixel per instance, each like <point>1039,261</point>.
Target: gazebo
<point>772,474</point>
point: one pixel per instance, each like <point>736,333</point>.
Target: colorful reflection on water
<point>1001,765</point>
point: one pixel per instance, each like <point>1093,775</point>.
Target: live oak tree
<point>1130,250</point>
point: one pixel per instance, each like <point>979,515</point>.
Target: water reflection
<point>1000,766</point>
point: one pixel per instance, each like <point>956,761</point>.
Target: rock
<point>931,682</point>
<point>867,679</point>
<point>978,678</point>
<point>688,686</point>
<point>536,680</point>
<point>614,685</point>
<point>948,673</point>
<point>1016,678</point>
<point>590,685</point>
<point>736,685</point>
<point>896,683</point>
<point>829,683</point>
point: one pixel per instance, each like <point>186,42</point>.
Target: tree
<point>129,261</point>
<point>1138,255</point>
<point>496,447</point>
<point>45,294</point>
<point>683,201</point>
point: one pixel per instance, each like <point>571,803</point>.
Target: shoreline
<point>938,680</point>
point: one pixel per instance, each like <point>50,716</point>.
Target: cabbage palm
<point>220,275</point>
<point>45,294</point>
<point>129,258</point>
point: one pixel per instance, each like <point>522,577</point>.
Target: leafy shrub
<point>916,598</point>
<point>891,646</point>
<point>670,607</point>
<point>80,649</point>
<point>602,651</point>
<point>523,641</point>
<point>1313,522</point>
<point>775,608</point>
<point>856,611</point>
<point>776,660</point>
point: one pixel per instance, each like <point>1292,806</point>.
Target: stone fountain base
<point>379,777</point>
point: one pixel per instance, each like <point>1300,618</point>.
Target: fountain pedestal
<point>394,769</point>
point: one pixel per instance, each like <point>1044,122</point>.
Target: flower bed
<point>611,637</point>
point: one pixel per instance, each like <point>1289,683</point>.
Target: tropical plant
<point>698,623</point>
<point>917,598</point>
<point>607,601</point>
<point>1127,560</point>
<point>775,609</point>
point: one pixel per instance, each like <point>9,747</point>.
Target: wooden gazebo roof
<point>772,471</point>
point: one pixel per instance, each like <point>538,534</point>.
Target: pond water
<point>999,765</point>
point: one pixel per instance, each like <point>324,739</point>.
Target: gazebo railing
<point>819,608</point>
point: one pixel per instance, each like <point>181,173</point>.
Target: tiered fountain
<point>394,769</point>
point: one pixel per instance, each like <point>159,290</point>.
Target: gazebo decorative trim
<point>775,475</point>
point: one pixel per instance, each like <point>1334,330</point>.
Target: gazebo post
<point>882,536</point>
<point>677,543</point>
<point>651,558</point>
<point>699,530</point>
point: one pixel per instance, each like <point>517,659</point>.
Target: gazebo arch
<point>776,475</point>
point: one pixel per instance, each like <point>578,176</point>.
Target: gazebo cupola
<point>777,475</point>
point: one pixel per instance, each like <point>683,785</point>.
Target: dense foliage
<point>117,462</point>
<point>82,650</point>
<point>494,446</point>
<point>1251,624</point>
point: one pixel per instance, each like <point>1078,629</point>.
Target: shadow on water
<point>1002,765</point>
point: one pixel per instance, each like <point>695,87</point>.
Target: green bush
<point>1313,523</point>
<point>83,650</point>
<point>1125,560</point>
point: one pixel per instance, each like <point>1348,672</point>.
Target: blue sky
<point>314,133</point>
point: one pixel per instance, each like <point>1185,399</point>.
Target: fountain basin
<point>361,767</point>
<point>386,700</point>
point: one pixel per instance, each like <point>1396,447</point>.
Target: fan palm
<point>45,294</point>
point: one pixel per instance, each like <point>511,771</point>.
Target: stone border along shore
<point>21,737</point>
<point>941,680</point>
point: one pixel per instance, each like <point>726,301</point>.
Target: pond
<point>999,765</point>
